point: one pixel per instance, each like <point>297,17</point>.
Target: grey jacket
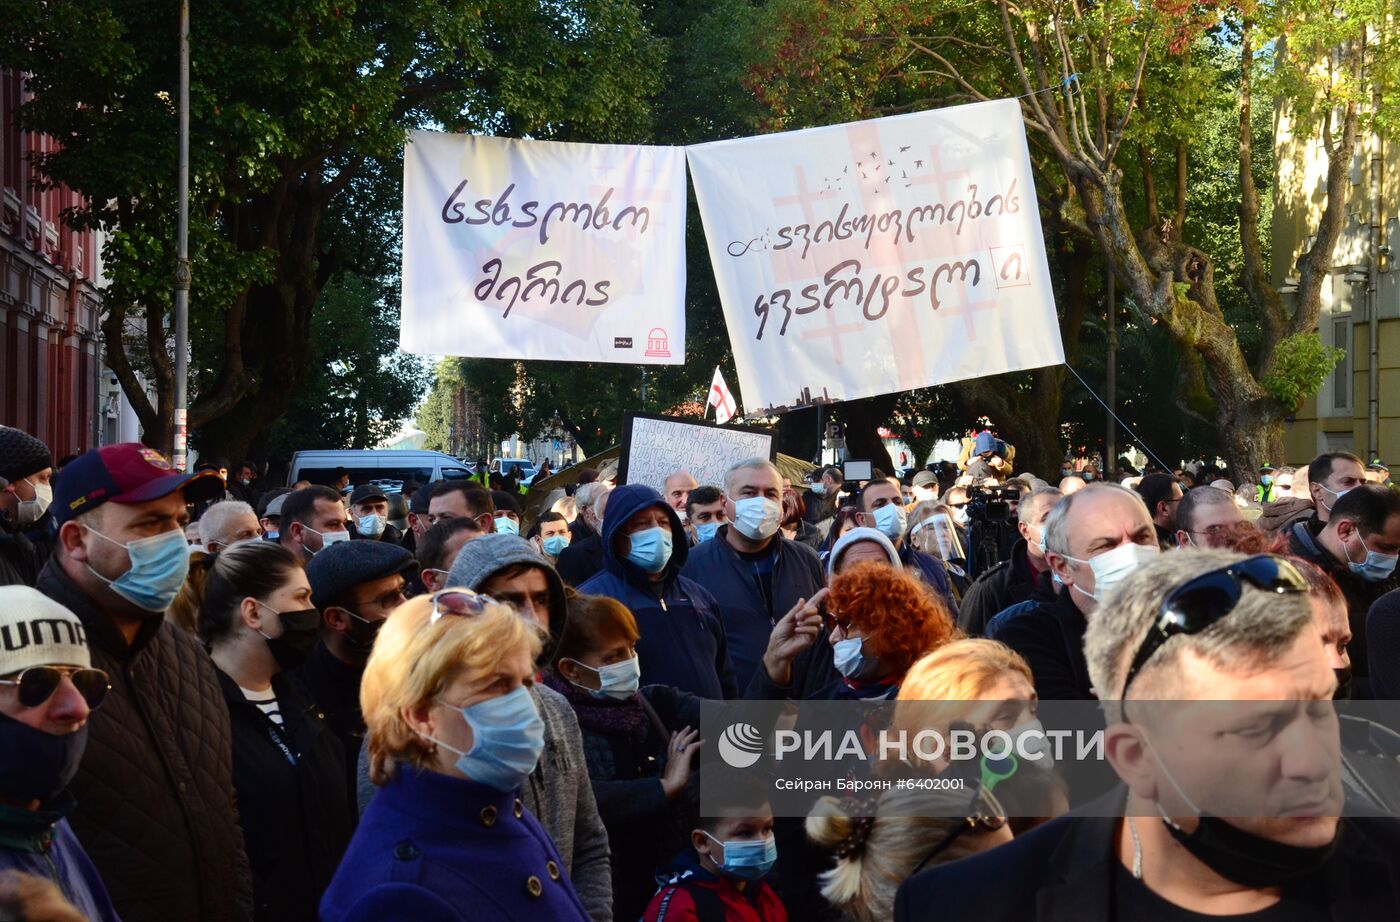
<point>561,797</point>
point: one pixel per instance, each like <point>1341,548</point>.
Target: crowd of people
<point>230,701</point>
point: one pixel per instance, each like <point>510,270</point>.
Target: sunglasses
<point>1198,603</point>
<point>985,812</point>
<point>38,683</point>
<point>461,602</point>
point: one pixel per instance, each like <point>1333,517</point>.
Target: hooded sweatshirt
<point>682,637</point>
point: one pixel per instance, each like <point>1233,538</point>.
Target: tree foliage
<point>1116,97</point>
<point>293,104</point>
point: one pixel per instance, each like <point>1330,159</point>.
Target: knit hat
<point>342,566</point>
<point>481,558</point>
<point>855,536</point>
<point>21,454</point>
<point>37,631</point>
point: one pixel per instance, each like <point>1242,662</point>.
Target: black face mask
<point>1247,859</point>
<point>362,632</point>
<point>294,644</point>
<point>1343,692</point>
<point>37,765</point>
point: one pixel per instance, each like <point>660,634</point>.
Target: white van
<point>385,467</point>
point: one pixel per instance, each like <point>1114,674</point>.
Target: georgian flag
<point>722,399</point>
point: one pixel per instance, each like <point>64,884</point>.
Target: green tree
<point>1113,96</point>
<point>359,387</point>
<point>699,98</point>
<point>293,105</point>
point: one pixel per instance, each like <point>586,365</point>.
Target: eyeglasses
<point>461,602</point>
<point>38,683</point>
<point>984,812</point>
<point>833,620</point>
<point>1198,603</point>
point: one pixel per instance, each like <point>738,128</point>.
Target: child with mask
<point>639,743</point>
<point>721,876</point>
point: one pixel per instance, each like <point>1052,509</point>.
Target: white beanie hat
<point>856,535</point>
<point>37,631</point>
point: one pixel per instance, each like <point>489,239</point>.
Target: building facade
<point>50,307</point>
<point>1358,406</point>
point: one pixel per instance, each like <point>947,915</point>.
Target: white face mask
<point>328,538</point>
<point>30,511</point>
<point>1112,567</point>
<point>371,526</point>
<point>757,517</point>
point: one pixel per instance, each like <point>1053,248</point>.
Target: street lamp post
<point>182,255</point>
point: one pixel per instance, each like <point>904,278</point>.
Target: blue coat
<point>682,636</point>
<point>432,847</point>
<point>40,843</point>
<point>797,574</point>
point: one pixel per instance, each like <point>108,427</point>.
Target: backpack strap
<point>708,906</point>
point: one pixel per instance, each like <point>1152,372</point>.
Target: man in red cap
<point>155,789</point>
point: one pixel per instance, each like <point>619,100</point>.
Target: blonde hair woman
<point>452,733</point>
<point>974,681</point>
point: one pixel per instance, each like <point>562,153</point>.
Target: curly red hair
<point>899,617</point>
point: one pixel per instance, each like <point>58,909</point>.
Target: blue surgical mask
<point>272,536</point>
<point>159,565</point>
<point>650,549</point>
<point>705,531</point>
<point>505,525</point>
<point>371,526</point>
<point>620,680</point>
<point>851,661</point>
<point>507,740</point>
<point>554,545</point>
<point>748,859</point>
<point>1376,568</point>
<point>1266,480</point>
<point>891,520</point>
<point>818,488</point>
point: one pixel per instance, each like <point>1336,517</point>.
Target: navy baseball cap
<point>126,473</point>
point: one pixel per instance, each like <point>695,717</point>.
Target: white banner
<point>543,250</point>
<point>878,256</point>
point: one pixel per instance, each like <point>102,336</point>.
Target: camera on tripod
<point>992,504</point>
<point>992,526</point>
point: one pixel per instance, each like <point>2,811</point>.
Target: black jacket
<point>297,818</point>
<point>156,805</point>
<point>1063,872</point>
<point>581,560</point>
<point>1008,583</point>
<point>1360,594</point>
<point>1050,636</point>
<point>645,830</point>
<point>335,688</point>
